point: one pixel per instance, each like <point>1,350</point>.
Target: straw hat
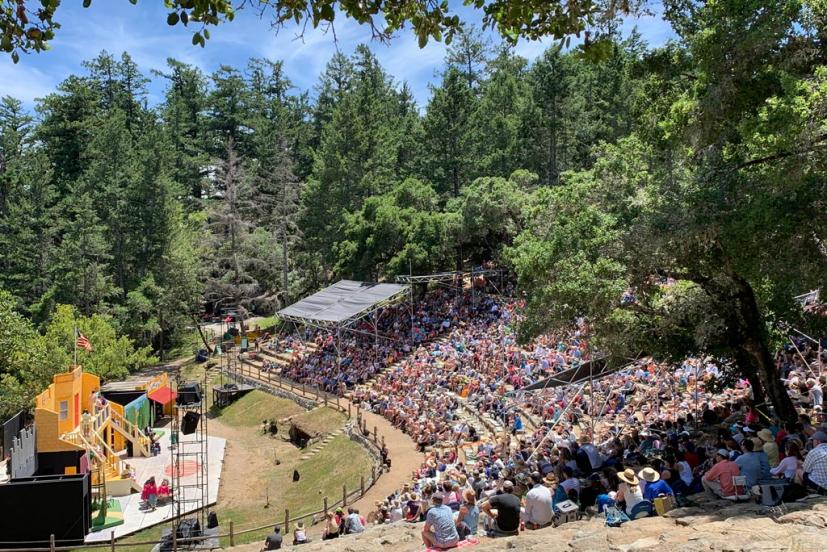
<point>648,474</point>
<point>628,476</point>
<point>766,435</point>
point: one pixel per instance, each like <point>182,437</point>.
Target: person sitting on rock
<point>273,540</point>
<point>503,512</point>
<point>718,480</point>
<point>815,463</point>
<point>440,531</point>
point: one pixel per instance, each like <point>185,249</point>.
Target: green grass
<point>321,420</point>
<point>341,462</point>
<point>267,322</point>
<point>147,535</point>
<point>256,406</point>
<point>187,345</point>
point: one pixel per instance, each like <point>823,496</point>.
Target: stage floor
<point>160,466</point>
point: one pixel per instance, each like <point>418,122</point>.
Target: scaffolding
<point>190,469</point>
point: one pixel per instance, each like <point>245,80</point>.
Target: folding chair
<point>742,493</point>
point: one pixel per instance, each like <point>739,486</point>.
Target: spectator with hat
<point>718,480</point>
<point>769,446</point>
<point>655,486</point>
<point>628,492</point>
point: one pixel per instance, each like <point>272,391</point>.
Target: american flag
<point>83,342</point>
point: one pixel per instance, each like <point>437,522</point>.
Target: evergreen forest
<point>596,178</point>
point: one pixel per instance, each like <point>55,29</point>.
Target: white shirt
<point>787,466</point>
<point>538,505</point>
<point>632,495</point>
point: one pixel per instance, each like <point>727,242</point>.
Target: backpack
<point>615,517</point>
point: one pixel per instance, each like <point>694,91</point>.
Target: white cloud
<point>23,81</point>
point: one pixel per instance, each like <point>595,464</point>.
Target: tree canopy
<point>30,25</point>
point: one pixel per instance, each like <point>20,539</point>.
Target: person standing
<point>150,493</point>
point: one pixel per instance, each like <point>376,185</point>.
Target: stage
<point>160,466</point>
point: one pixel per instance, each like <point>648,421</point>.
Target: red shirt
<point>723,472</point>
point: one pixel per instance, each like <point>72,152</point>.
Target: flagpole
<point>75,353</point>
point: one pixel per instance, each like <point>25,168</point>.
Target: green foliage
<point>23,359</point>
<point>703,220</point>
<point>28,360</point>
<point>489,213</point>
<point>112,356</point>
<point>25,28</point>
<point>394,233</point>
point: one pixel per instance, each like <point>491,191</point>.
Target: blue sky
<point>117,26</point>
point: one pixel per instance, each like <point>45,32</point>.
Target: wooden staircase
<point>140,442</point>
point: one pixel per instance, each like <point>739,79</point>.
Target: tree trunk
<point>203,338</point>
<point>754,349</point>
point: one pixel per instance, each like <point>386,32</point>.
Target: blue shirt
<point>441,518</point>
<point>755,466</point>
<point>659,487</point>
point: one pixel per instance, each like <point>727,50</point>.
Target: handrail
<point>125,425</point>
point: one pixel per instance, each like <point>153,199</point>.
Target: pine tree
<point>231,265</point>
<point>547,120</point>
<point>496,123</point>
<point>446,155</point>
<point>182,111</point>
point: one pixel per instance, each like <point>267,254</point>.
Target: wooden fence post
<point>112,540</point>
<point>325,399</point>
<point>344,496</point>
<point>373,474</point>
<point>349,411</point>
<point>52,543</point>
<point>232,534</point>
<point>325,506</point>
<point>383,441</point>
<point>375,438</point>
<point>362,485</point>
<point>286,521</point>
<point>337,403</point>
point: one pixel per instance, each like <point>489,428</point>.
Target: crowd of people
<point>644,438</point>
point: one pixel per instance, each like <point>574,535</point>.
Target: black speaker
<point>189,422</point>
<point>188,393</point>
<point>189,528</point>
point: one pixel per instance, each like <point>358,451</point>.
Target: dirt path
<point>404,460</point>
